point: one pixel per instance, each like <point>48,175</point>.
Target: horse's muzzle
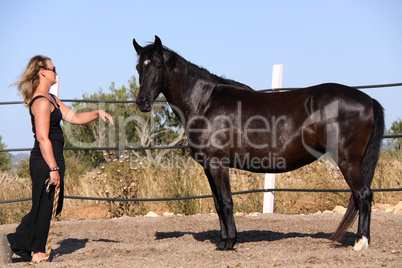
<point>143,104</point>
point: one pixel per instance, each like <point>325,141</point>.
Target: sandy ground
<point>269,240</point>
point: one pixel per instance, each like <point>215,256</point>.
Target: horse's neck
<point>189,98</point>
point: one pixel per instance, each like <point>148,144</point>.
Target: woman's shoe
<point>7,251</point>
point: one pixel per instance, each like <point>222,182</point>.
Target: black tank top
<point>55,133</point>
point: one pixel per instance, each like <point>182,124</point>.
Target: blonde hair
<point>29,80</point>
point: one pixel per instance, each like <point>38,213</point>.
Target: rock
<point>167,214</point>
<point>152,214</point>
<point>398,208</point>
<point>384,207</point>
<point>390,209</point>
<point>339,209</point>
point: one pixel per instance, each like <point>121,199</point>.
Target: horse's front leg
<point>218,178</point>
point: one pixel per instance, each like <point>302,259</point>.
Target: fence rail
<point>206,196</point>
<point>261,90</point>
<point>142,148</point>
<point>184,147</point>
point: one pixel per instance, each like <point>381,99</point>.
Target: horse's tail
<point>368,165</point>
<point>372,153</point>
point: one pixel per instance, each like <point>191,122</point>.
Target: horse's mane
<point>174,60</point>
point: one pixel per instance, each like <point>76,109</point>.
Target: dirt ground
<point>264,240</point>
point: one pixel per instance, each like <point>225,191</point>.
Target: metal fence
<point>206,196</point>
<point>186,146</point>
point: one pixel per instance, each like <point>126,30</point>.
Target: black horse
<point>229,125</point>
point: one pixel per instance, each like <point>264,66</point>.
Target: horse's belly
<point>271,161</point>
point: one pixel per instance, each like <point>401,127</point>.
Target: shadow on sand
<point>256,236</point>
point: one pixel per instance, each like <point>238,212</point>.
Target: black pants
<point>31,234</point>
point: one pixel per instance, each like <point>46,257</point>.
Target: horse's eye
<point>159,67</point>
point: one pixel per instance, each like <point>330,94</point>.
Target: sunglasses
<point>51,69</point>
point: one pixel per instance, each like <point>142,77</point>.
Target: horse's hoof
<point>231,243</point>
<point>221,246</point>
<point>362,244</point>
<point>226,246</point>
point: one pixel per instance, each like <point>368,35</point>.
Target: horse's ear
<point>137,47</point>
<point>158,44</point>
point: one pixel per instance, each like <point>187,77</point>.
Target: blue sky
<point>349,42</point>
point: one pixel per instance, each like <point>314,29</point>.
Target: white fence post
<point>268,205</point>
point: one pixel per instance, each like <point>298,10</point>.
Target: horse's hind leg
<point>363,201</point>
<point>218,178</point>
<point>362,196</point>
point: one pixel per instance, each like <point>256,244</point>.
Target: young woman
<point>46,159</point>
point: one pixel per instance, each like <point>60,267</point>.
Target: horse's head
<point>152,73</point>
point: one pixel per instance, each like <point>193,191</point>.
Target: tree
<point>132,127</point>
<point>5,158</point>
<point>396,129</point>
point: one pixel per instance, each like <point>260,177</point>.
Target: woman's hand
<point>55,178</point>
<point>105,116</point>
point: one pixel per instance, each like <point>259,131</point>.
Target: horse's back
<point>299,103</point>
